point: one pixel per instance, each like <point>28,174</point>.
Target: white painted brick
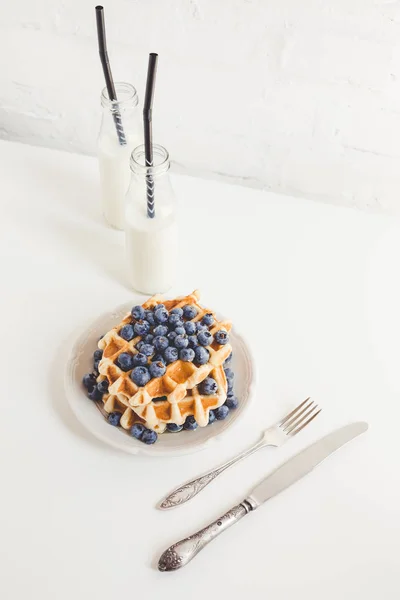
<point>298,97</point>
<point>363,124</point>
<point>364,19</point>
<point>317,171</point>
<point>378,181</point>
<point>337,59</point>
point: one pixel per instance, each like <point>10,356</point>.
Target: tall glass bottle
<point>151,243</point>
<point>120,133</point>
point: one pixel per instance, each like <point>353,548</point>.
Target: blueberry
<point>180,330</point>
<point>97,354</point>
<point>158,358</point>
<point>202,355</point>
<point>190,327</point>
<point>190,423</point>
<point>231,401</point>
<point>173,427</point>
<point>189,311</point>
<point>229,385</point>
<point>148,339</point>
<point>96,367</point>
<point>149,316</point>
<point>228,360</point>
<point>208,319</point>
<point>140,359</point>
<point>127,332</point>
<point>208,386</point>
<point>161,315</point>
<point>138,312</point>
<point>229,374</point>
<point>125,361</point>
<point>147,349</point>
<point>160,330</point>
<point>139,345</point>
<point>222,412</point>
<point>160,343</point>
<point>187,354</point>
<point>114,418</point>
<point>175,320</point>
<point>157,306</point>
<point>149,436</point>
<point>157,369</point>
<point>221,337</point>
<point>172,335</point>
<point>205,338</point>
<point>142,328</point>
<point>140,376</point>
<point>177,311</point>
<point>211,417</point>
<point>102,386</point>
<point>171,354</point>
<point>95,394</point>
<point>137,431</point>
<point>193,342</point>
<point>89,381</point>
<point>181,342</point>
<point>200,326</point>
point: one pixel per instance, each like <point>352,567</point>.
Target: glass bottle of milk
<point>114,150</point>
<point>151,243</point>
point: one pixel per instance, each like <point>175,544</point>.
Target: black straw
<point>101,36</point>
<point>148,131</point>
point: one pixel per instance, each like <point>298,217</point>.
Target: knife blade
<point>179,554</point>
<point>304,462</point>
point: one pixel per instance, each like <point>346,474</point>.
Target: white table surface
<point>316,290</point>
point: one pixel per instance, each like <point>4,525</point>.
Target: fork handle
<point>178,555</point>
<point>192,488</point>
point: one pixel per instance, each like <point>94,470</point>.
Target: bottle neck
<point>159,166</point>
<point>127,98</point>
<point>121,121</point>
<point>151,185</point>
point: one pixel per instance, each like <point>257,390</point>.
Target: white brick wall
<point>297,97</point>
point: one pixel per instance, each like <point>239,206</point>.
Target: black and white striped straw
<point>148,132</point>
<point>101,36</point>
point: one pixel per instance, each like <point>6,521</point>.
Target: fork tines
<point>301,416</point>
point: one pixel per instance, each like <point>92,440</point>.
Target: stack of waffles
<point>175,395</point>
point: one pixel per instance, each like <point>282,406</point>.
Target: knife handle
<point>178,555</point>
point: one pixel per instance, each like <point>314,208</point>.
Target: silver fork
<point>275,436</point>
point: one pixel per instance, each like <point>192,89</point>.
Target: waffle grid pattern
<point>179,387</point>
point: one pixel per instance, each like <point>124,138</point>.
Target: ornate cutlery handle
<point>179,554</point>
<point>192,488</point>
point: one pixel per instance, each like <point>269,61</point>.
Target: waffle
<point>128,416</point>
<point>110,404</point>
<point>177,387</point>
<point>156,415</point>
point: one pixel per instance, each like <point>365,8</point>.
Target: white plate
<point>184,442</point>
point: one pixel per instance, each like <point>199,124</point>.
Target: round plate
<point>183,442</point>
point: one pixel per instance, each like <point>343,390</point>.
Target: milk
<point>151,243</point>
<point>151,248</point>
<point>115,176</point>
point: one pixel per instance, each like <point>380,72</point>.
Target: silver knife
<point>179,554</point>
